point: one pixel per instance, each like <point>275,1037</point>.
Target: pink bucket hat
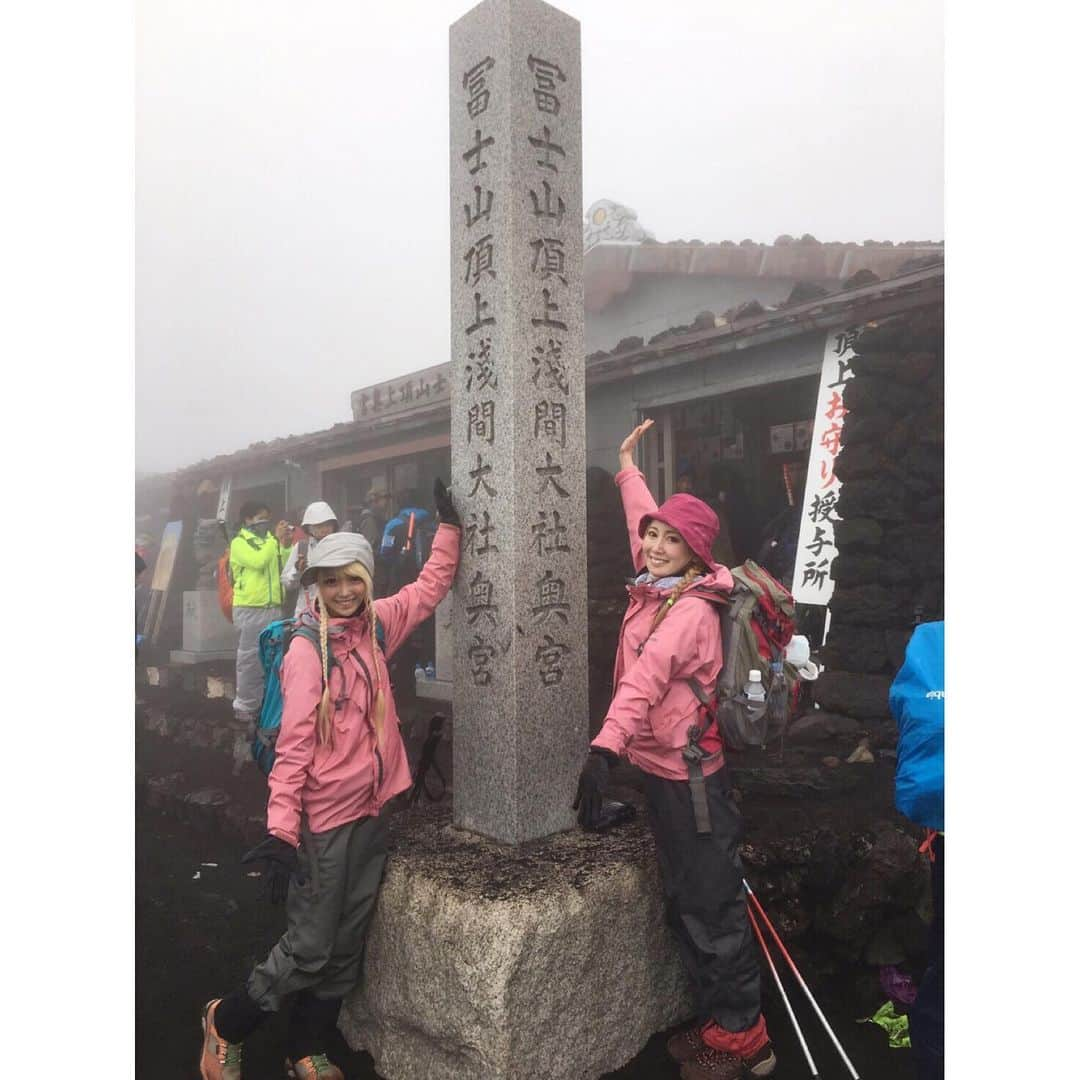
<point>692,519</point>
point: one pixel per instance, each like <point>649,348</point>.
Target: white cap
<point>317,513</point>
<point>755,675</point>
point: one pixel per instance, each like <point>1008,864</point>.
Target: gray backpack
<point>757,620</point>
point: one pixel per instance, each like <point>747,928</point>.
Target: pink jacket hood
<point>350,776</point>
<point>653,707</point>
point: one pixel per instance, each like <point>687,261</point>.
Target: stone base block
<point>485,962</point>
<point>186,656</point>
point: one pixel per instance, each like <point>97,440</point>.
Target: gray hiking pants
<point>323,948</point>
<point>250,621</point>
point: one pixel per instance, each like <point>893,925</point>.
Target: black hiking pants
<point>706,906</point>
<point>927,1017</point>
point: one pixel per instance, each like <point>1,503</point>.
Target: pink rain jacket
<point>349,778</point>
<point>653,707</point>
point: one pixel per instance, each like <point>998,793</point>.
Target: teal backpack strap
<point>313,636</point>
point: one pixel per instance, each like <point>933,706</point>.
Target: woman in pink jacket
<point>671,634</point>
<point>340,759</point>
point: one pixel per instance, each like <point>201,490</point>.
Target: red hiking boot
<point>220,1060</point>
<point>728,1055</point>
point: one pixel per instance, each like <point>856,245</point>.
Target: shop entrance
<point>744,453</point>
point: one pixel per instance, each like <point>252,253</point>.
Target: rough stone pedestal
<point>550,960</point>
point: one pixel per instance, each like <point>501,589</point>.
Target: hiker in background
<point>406,542</point>
<point>256,560</point>
<point>723,550</point>
<point>669,636</point>
<point>742,520</point>
<point>685,483</point>
<point>779,545</point>
<point>340,759</point>
<point>372,519</point>
<point>917,701</point>
<point>140,569</point>
<point>319,521</point>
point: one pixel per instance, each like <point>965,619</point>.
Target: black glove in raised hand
<point>592,784</point>
<point>445,506</point>
<point>281,862</point>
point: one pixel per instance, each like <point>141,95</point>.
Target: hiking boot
<point>713,1064</point>
<point>314,1067</point>
<point>220,1060</point>
<point>686,1044</point>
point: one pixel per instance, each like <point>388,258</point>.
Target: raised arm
<point>401,613</point>
<point>636,497</point>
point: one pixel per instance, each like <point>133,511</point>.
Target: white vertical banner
<point>223,499</point>
<point>812,582</point>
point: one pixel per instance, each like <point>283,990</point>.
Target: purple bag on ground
<point>899,987</point>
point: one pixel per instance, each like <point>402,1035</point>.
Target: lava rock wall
<point>890,570</point>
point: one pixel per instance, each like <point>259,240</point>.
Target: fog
<point>291,218</point>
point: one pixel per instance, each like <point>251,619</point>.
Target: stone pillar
<point>517,418</point>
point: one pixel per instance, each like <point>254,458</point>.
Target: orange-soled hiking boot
<point>220,1059</point>
<point>314,1067</point>
<point>713,1064</point>
<point>686,1044</point>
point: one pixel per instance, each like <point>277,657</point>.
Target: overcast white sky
<point>291,230</point>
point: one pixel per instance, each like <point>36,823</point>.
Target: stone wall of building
<point>891,567</point>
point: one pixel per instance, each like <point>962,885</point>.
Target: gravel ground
<point>200,928</point>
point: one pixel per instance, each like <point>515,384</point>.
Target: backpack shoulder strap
<point>308,634</point>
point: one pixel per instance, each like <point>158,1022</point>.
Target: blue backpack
<point>274,643</point>
<point>917,701</point>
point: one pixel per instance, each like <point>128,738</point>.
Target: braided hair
<point>324,727</point>
<point>693,572</point>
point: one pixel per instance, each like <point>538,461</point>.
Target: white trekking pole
<point>802,982</point>
<point>783,993</point>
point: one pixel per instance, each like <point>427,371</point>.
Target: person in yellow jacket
<point>256,560</point>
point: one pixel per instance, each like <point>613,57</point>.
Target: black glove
<point>592,784</point>
<point>447,514</point>
<point>281,862</point>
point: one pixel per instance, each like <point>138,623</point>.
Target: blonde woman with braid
<point>671,634</point>
<point>339,760</point>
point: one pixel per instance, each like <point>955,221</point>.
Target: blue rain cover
<point>389,540</point>
<point>917,701</point>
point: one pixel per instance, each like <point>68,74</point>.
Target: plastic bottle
<point>418,672</point>
<point>754,688</point>
<point>429,671</point>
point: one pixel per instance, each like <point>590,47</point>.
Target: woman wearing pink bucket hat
<point>670,635</point>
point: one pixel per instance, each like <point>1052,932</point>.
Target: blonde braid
<point>695,570</point>
<point>379,708</point>
<point>326,709</point>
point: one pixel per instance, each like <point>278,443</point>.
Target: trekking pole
<point>783,993</point>
<point>802,982</point>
